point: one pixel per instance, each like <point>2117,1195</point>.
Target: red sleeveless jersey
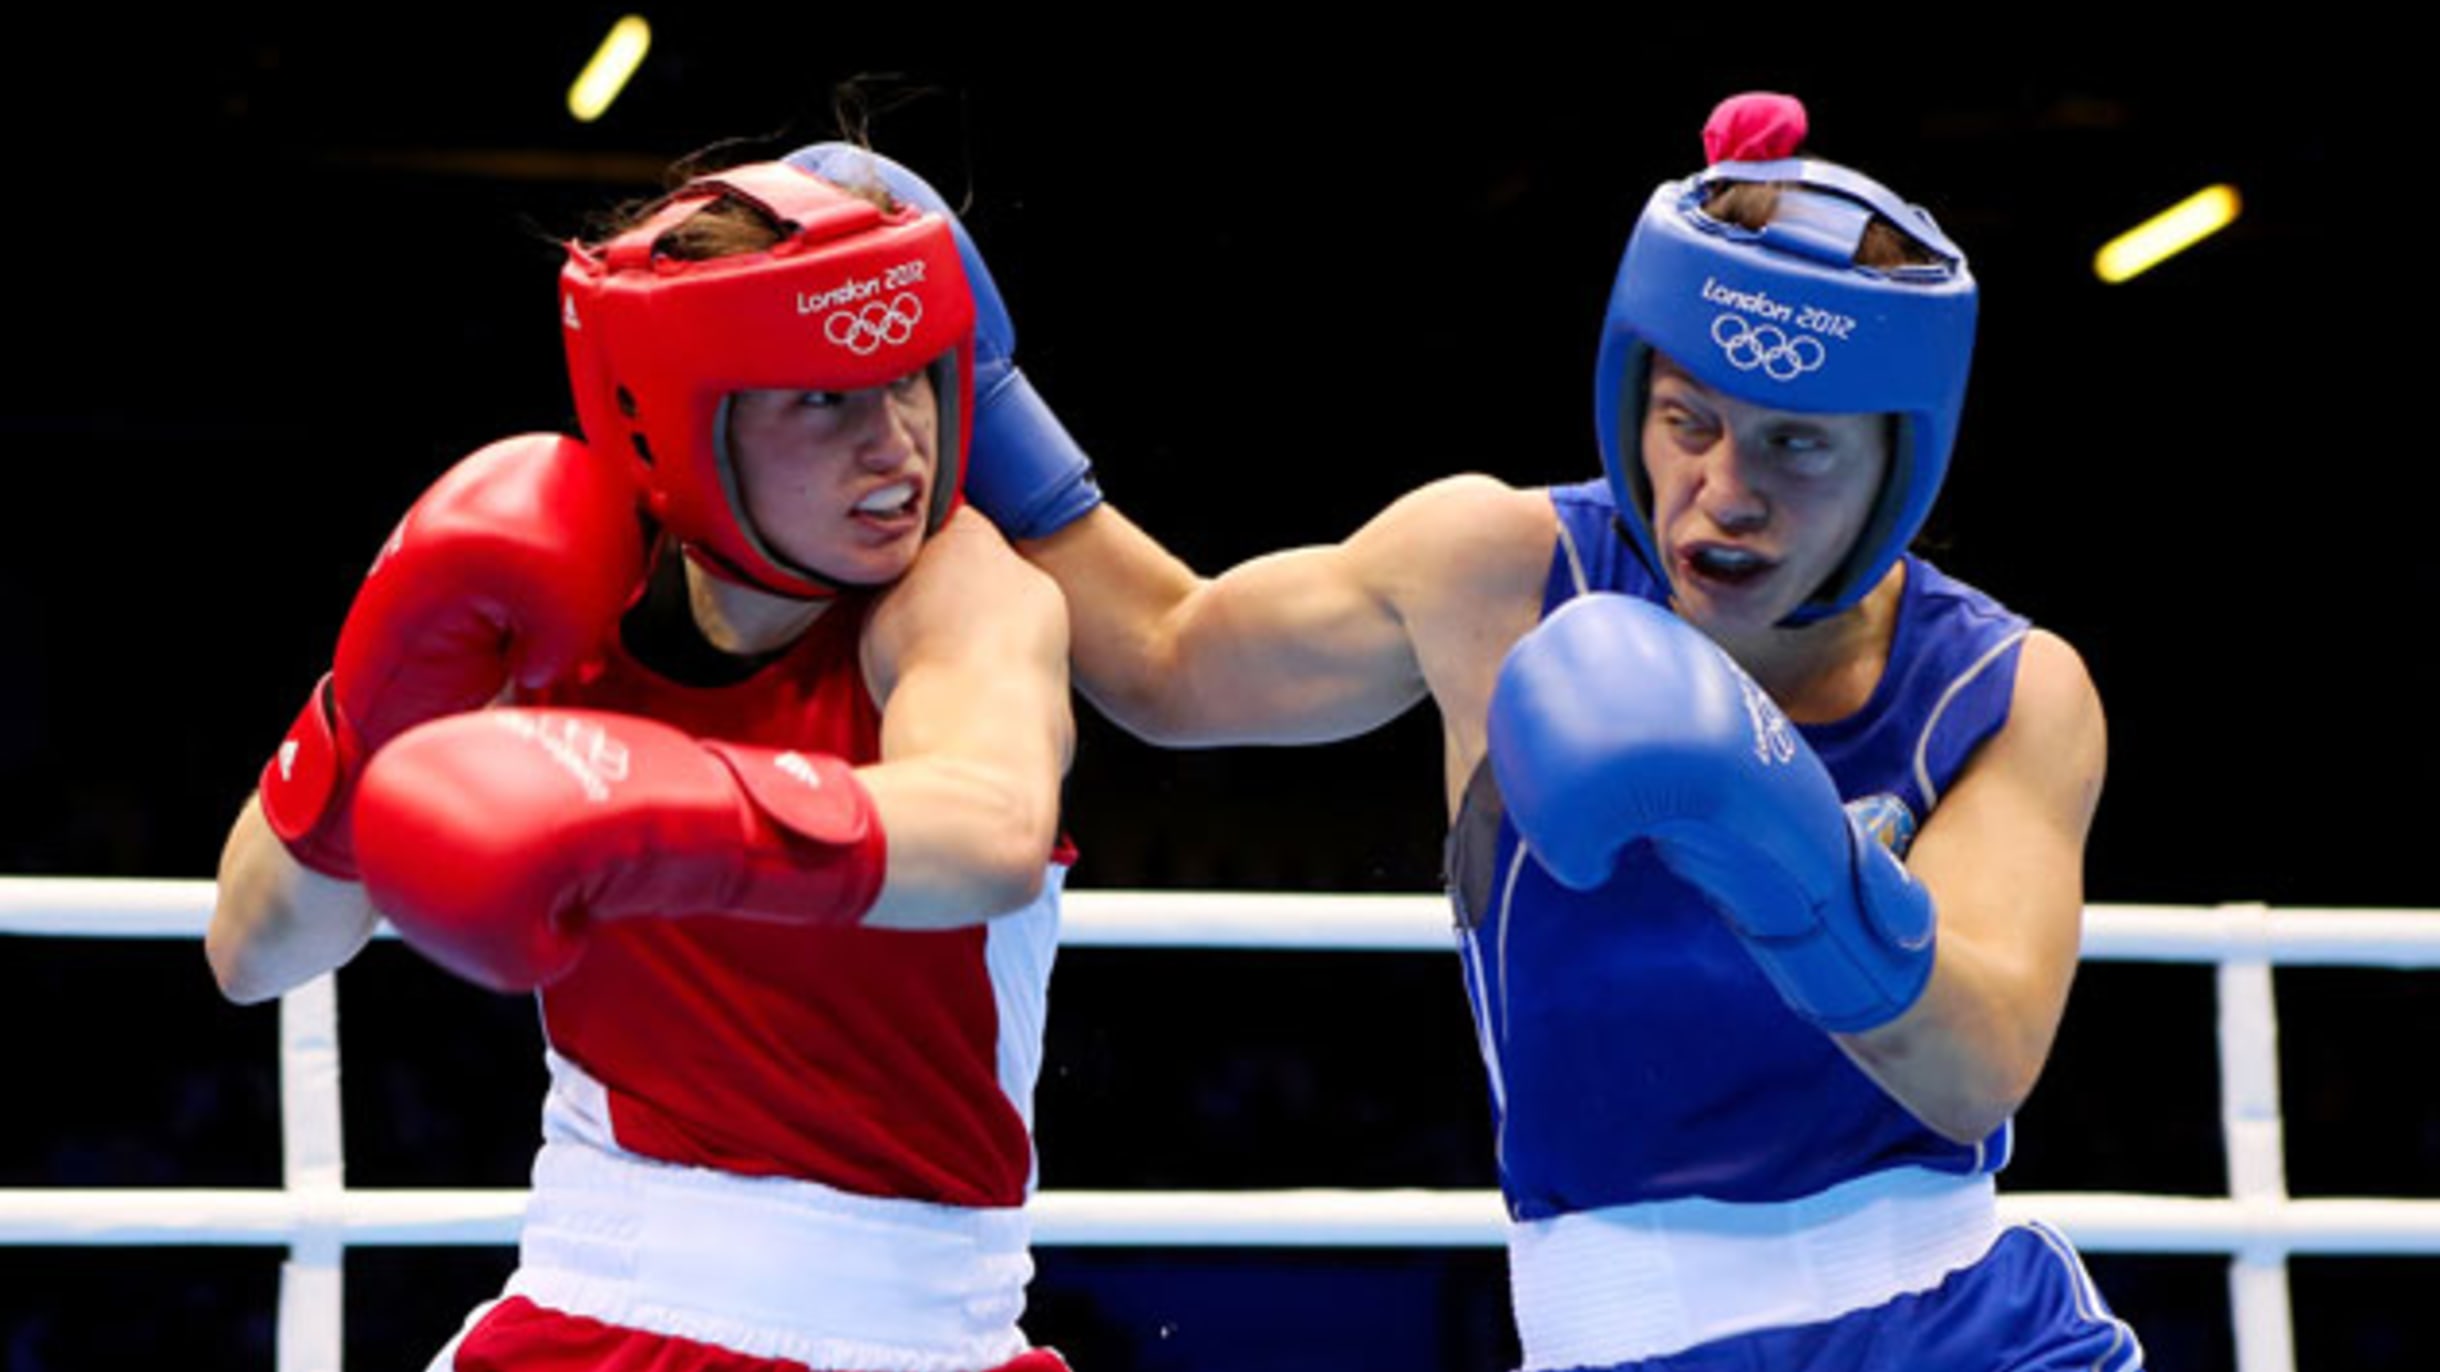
<point>878,1062</point>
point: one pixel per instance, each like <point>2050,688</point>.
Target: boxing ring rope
<point>317,1217</point>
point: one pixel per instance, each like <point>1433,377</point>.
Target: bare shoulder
<point>968,592</point>
<point>2055,695</point>
<point>966,562</point>
<point>1464,560</point>
<point>2056,739</point>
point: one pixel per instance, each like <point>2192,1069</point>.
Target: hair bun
<point>1758,126</point>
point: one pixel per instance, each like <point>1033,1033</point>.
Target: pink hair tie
<point>1758,126</point>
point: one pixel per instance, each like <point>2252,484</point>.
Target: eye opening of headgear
<point>943,371</point>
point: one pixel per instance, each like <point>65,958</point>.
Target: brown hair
<point>1752,204</point>
<point>725,227</point>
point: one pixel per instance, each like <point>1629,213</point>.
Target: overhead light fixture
<point>621,52</point>
<point>2167,234</point>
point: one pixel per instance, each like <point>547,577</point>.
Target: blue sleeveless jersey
<point>1635,1051</point>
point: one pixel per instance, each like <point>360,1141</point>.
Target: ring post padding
<point>313,1167</point>
<point>2256,1140</point>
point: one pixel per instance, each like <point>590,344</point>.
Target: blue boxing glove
<point>1024,472</point>
<point>1615,721</point>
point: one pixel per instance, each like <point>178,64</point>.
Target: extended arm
<point>1301,646</point>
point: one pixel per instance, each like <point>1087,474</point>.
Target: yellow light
<point>2167,234</point>
<point>606,75</point>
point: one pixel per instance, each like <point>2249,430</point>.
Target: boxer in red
<point>731,735</point>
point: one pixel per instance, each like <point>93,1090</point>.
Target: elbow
<point>246,902</point>
<point>1963,1103</point>
<point>1968,1054</point>
<point>268,938</point>
<point>1158,732</point>
<point>230,946</point>
<point>1009,871</point>
<point>1147,709</point>
<point>241,977</point>
<point>1969,1122</point>
<point>1963,1097</point>
<point>1010,859</point>
<point>1011,888</point>
<point>2001,1091</point>
<point>1985,1100</point>
<point>247,991</point>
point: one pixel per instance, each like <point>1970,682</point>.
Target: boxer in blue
<point>1767,837</point>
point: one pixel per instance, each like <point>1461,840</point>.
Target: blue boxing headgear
<point>1783,317</point>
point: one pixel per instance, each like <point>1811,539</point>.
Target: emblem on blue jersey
<point>1886,818</point>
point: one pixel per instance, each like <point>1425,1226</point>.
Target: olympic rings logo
<point>864,331</point>
<point>1749,347</point>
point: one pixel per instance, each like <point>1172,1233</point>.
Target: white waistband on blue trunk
<point>773,1267</point>
<point>1640,1281</point>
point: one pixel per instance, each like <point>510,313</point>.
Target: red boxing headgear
<point>851,297</point>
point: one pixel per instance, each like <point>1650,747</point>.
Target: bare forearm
<point>1125,595</point>
<point>966,842</point>
<point>1292,647</point>
<point>276,924</point>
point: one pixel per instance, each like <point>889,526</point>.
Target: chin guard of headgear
<point>1783,317</point>
<point>851,297</point>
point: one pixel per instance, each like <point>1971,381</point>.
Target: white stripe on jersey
<point>1018,951</point>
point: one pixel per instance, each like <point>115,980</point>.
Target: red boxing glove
<point>1758,126</point>
<point>493,840</point>
<point>516,564</point>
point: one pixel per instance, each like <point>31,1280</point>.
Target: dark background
<point>269,277</point>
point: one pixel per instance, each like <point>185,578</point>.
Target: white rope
<point>135,1216</point>
<point>2257,1225</point>
<point>104,907</point>
<point>2100,1222</point>
<point>85,907</point>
